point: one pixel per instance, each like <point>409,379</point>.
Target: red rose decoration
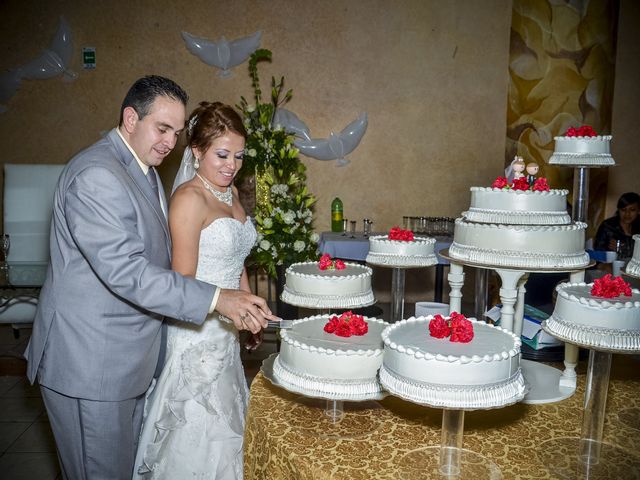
<point>583,131</point>
<point>610,287</point>
<point>520,184</point>
<point>346,325</point>
<point>540,185</point>
<point>457,328</point>
<point>461,329</point>
<point>396,233</point>
<point>325,263</point>
<point>500,182</point>
<point>438,327</point>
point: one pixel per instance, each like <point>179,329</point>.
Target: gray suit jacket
<point>96,334</point>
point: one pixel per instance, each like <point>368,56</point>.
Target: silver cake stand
<point>449,459</point>
<point>588,456</point>
<point>333,405</point>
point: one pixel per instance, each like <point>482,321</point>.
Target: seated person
<point>621,227</point>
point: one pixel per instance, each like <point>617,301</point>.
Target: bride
<point>194,418</point>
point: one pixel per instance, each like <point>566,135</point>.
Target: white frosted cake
<point>633,267</point>
<point>518,207</point>
<point>520,246</point>
<point>306,285</point>
<point>483,373</point>
<point>595,322</point>
<point>582,151</point>
<point>315,361</point>
<point>418,252</point>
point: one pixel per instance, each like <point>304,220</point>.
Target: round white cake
<point>308,286</point>
<point>418,252</point>
<point>518,207</point>
<point>582,151</point>
<point>520,246</point>
<point>595,322</point>
<point>633,267</point>
<point>484,373</point>
<point>315,361</point>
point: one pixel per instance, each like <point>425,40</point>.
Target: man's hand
<point>245,310</point>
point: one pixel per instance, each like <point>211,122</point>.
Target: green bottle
<point>336,215</point>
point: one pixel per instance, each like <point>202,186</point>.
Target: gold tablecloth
<point>288,437</point>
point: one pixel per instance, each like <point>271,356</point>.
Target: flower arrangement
<point>396,233</point>
<point>346,325</point>
<point>539,185</point>
<point>326,263</point>
<point>284,216</point>
<point>610,287</point>
<point>456,327</point>
<point>583,131</point>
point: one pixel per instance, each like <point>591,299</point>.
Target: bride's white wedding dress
<point>195,415</point>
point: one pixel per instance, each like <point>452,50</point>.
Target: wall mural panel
<point>561,70</point>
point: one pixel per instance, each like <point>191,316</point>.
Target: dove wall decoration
<point>53,61</point>
<point>222,54</point>
<point>336,147</point>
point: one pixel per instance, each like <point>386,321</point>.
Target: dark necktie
<point>151,176</point>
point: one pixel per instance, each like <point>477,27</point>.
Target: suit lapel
<point>134,171</point>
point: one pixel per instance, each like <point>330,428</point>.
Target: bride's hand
<point>254,341</point>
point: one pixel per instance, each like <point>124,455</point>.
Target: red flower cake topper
<point>326,263</point>
<point>520,184</point>
<point>456,327</point>
<point>610,287</point>
<point>583,131</point>
<point>500,182</point>
<point>396,233</point>
<point>540,185</point>
<point>346,325</point>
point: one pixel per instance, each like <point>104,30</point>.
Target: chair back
<point>28,205</point>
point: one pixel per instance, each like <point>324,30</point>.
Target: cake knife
<point>281,324</point>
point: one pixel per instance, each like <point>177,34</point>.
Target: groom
<point>97,332</point>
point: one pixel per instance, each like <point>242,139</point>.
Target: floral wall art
<point>561,74</point>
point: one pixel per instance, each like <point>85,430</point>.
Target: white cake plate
<point>544,383</point>
<point>333,406</point>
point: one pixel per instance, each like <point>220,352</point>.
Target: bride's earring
<point>196,163</point>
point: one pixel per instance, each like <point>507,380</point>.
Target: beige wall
<point>431,75</point>
<point>625,177</point>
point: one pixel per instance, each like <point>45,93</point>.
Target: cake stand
<point>588,456</point>
<point>546,384</point>
<point>449,459</point>
<point>332,405</point>
<point>397,287</point>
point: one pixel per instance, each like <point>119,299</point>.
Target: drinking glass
<point>353,229</point>
<point>345,224</point>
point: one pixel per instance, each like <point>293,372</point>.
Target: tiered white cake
<point>600,323</point>
<point>308,286</point>
<point>484,373</point>
<point>318,362</point>
<point>418,252</point>
<point>519,229</point>
<point>582,151</point>
<point>633,267</point>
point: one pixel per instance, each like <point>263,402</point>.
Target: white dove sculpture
<point>222,54</point>
<point>336,147</point>
<point>51,62</point>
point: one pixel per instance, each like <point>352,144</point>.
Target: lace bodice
<point>224,245</point>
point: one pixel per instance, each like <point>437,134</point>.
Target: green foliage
<point>284,219</point>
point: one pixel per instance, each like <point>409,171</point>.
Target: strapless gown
<point>194,417</point>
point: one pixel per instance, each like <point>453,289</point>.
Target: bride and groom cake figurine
<point>518,167</point>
